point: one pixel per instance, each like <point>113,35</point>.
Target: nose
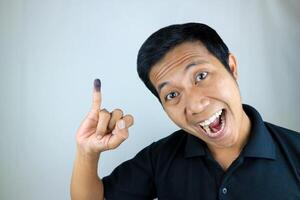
<point>196,102</point>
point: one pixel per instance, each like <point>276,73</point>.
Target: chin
<point>228,143</point>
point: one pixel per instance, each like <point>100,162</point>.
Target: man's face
<point>199,94</point>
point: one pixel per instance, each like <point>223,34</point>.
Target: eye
<point>201,76</point>
<point>171,96</point>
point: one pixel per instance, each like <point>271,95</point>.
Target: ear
<point>233,66</point>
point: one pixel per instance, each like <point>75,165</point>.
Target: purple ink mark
<point>97,85</point>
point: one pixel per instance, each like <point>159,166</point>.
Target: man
<point>224,150</point>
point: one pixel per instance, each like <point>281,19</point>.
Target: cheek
<point>176,114</point>
<point>227,89</point>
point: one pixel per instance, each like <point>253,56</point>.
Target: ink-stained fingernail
<point>121,124</point>
<point>97,84</point>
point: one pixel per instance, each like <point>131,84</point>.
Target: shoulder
<point>288,135</point>
<point>136,177</point>
<point>165,147</point>
<point>162,152</point>
<point>170,143</point>
<point>289,140</point>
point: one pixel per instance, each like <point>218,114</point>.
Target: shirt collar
<point>260,143</point>
<point>194,146</point>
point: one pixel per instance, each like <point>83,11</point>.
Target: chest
<point>244,179</point>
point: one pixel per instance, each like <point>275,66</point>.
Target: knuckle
<point>125,136</point>
<point>101,130</point>
<point>129,119</point>
<point>112,146</point>
<point>104,113</point>
<point>118,111</point>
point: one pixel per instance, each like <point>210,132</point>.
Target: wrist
<point>87,156</point>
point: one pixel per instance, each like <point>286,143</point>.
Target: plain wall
<point>51,50</point>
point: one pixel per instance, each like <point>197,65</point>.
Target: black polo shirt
<point>180,166</point>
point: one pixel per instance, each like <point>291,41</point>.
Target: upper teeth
<point>211,119</point>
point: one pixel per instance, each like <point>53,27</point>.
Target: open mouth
<point>213,127</point>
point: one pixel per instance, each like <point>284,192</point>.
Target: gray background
<point>51,50</point>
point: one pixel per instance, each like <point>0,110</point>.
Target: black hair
<point>167,38</point>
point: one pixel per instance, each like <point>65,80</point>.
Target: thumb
<point>119,135</point>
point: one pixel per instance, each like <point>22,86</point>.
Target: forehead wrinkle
<point>189,66</point>
<point>167,67</point>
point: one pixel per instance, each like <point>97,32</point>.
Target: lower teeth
<point>209,132</point>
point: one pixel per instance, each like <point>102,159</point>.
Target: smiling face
<point>200,95</point>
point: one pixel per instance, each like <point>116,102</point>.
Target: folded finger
<point>118,136</point>
<point>115,116</point>
<point>104,117</point>
<point>129,120</point>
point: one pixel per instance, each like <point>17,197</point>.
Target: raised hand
<point>102,130</point>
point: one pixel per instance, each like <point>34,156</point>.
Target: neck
<point>225,156</point>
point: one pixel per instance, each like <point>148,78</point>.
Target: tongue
<point>215,126</point>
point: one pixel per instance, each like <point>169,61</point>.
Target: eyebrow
<point>189,66</point>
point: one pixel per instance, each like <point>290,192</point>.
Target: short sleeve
<point>133,179</point>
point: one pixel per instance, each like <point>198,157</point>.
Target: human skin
<point>193,85</point>
<point>99,131</point>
